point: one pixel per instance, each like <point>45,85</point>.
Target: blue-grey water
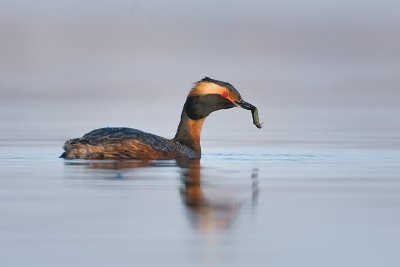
<point>236,206</point>
<point>319,185</point>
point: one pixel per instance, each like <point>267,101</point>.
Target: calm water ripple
<point>231,208</point>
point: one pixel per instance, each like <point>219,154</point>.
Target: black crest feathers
<point>207,79</point>
<point>222,83</point>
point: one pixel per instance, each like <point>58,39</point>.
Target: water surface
<point>234,207</point>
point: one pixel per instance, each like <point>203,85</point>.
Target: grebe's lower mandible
<point>206,96</point>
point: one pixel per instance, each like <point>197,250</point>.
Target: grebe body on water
<point>208,95</point>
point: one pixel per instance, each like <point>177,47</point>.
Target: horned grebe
<point>206,96</point>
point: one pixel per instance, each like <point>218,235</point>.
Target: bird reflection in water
<point>206,212</point>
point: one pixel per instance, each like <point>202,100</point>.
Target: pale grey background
<point>319,71</point>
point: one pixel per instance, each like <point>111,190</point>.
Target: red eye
<point>225,94</point>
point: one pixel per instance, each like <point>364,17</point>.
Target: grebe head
<point>209,95</point>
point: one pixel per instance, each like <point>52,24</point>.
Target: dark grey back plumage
<point>110,136</point>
